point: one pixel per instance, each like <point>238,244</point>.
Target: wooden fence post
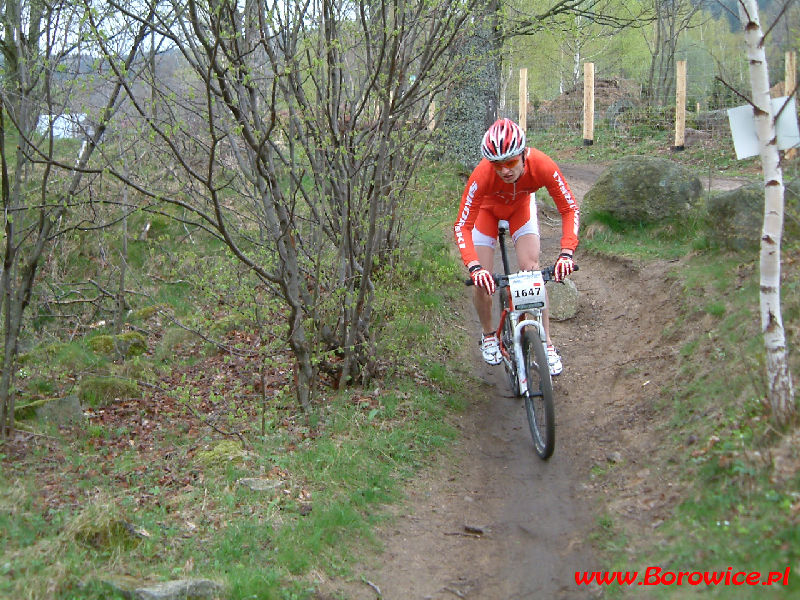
<point>789,83</point>
<point>432,116</point>
<point>680,105</point>
<point>523,99</point>
<point>588,104</point>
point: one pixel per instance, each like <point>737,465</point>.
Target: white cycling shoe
<point>490,348</point>
<point>554,361</point>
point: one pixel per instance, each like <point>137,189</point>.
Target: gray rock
<point>181,589</point>
<point>260,484</point>
<point>563,300</point>
<point>60,411</point>
<point>642,190</point>
<point>736,217</point>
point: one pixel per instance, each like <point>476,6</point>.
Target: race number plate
<point>527,289</point>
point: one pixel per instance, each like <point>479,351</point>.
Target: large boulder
<point>736,217</point>
<point>642,190</point>
<point>562,300</point>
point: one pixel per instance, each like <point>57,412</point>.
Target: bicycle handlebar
<point>501,279</point>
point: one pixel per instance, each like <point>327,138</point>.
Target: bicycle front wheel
<point>507,339</point>
<point>510,365</point>
<point>539,397</point>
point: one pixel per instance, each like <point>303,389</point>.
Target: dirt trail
<point>500,524</point>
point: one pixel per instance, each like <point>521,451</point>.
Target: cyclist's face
<point>509,170</point>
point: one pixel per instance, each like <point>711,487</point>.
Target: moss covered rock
<point>101,391</point>
<point>60,411</point>
<point>144,313</point>
<point>102,525</point>
<point>102,344</point>
<point>220,454</point>
<point>642,190</point>
<point>130,343</point>
<point>735,218</point>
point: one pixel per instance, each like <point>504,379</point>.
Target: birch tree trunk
<point>780,392</point>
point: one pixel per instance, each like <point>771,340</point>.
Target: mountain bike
<point>523,344</point>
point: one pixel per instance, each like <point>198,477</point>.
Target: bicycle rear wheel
<point>539,397</point>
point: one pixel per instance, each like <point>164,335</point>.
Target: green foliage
<point>73,357</point>
<point>721,96</point>
<point>100,391</point>
<point>716,309</point>
<point>155,462</point>
<point>412,296</point>
<point>171,341</point>
<point>549,51</point>
<point>739,507</point>
<point>670,241</point>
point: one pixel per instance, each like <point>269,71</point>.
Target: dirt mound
<point>606,93</point>
<point>611,97</point>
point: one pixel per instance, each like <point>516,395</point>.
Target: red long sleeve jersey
<point>485,189</point>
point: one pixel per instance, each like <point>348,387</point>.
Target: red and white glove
<point>564,266</point>
<point>482,278</point>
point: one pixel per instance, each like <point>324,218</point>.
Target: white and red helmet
<point>503,140</point>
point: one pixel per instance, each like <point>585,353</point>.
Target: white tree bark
<point>780,391</point>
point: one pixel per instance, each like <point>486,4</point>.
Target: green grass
<point>642,139</point>
<point>337,470</point>
<point>737,511</point>
<point>256,543</point>
<point>641,243</point>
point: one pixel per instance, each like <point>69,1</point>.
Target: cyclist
<point>502,187</point>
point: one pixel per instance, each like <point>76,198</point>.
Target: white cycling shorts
<point>522,219</point>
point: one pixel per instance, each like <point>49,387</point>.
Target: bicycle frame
<point>534,320</point>
<point>521,350</point>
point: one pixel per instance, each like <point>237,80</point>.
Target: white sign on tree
<point>743,127</point>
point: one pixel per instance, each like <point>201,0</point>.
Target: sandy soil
<point>497,523</point>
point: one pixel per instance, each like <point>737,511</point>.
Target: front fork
<point>522,372</point>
